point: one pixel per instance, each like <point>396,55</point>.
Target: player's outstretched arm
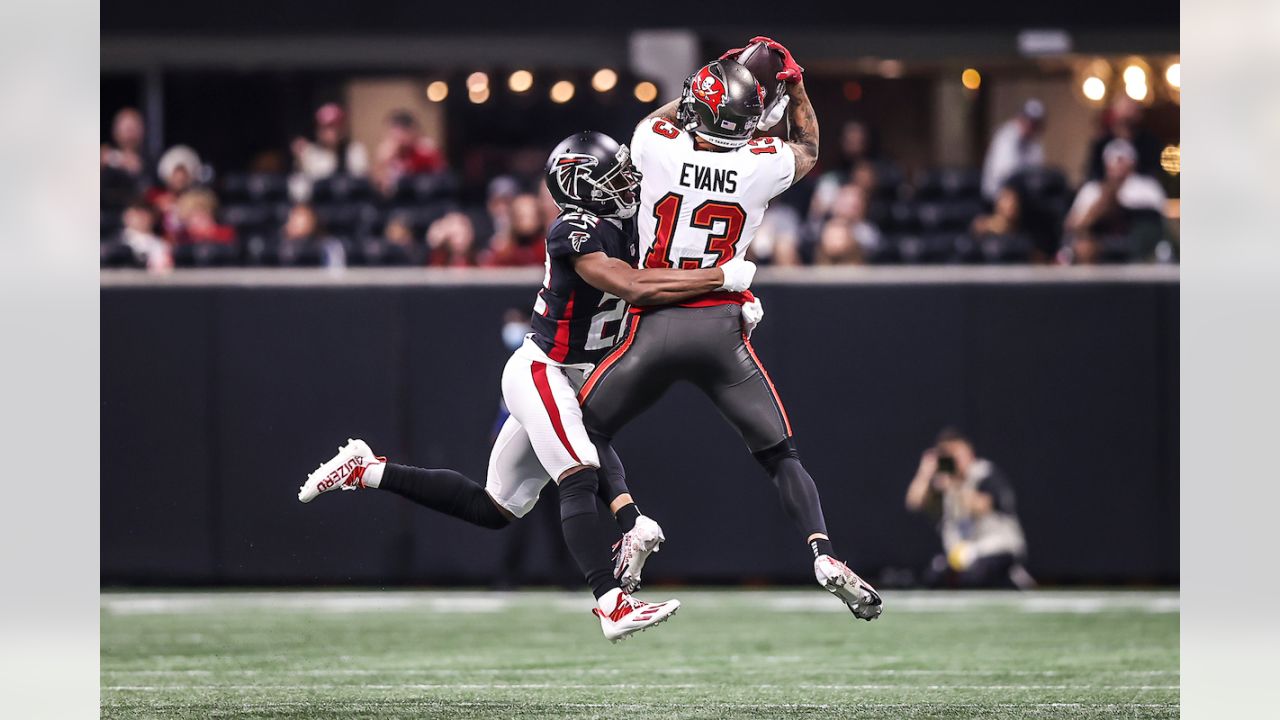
<point>652,287</point>
<point>804,130</point>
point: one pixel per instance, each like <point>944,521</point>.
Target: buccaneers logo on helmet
<point>708,88</point>
<point>567,168</point>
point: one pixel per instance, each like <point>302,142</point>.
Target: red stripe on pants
<point>549,402</point>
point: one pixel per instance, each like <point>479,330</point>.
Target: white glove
<point>775,114</point>
<point>752,314</point>
<point>738,275</point>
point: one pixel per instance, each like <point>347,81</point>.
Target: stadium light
<point>1137,91</point>
<point>1094,88</point>
<point>478,95</point>
<point>1171,159</point>
<point>437,91</point>
<point>891,69</point>
<point>1135,75</point>
<point>477,81</point>
<point>604,80</point>
<point>646,91</point>
<point>562,92</point>
<point>971,79</point>
<point>520,81</point>
<point>1173,76</point>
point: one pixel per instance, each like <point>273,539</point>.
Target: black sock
<point>580,521</point>
<point>446,491</point>
<point>626,516</point>
<point>821,546</point>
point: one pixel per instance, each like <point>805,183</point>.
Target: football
<point>765,64</point>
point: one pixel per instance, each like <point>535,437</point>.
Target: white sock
<point>373,474</point>
<point>608,601</point>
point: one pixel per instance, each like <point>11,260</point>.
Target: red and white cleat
<point>631,552</point>
<point>863,600</point>
<point>630,614</point>
<point>344,471</point>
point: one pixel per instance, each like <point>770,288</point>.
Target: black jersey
<point>574,322</point>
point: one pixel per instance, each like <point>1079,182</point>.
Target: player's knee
<point>484,511</point>
<point>772,458</point>
<point>578,493</point>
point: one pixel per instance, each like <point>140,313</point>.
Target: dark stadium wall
<point>217,401</point>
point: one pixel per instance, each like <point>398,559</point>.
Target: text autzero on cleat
<point>344,471</point>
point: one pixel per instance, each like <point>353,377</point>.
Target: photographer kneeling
<point>974,505</point>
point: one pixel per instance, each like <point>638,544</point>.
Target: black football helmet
<point>721,103</point>
<point>591,171</point>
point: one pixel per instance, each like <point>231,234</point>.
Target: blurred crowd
<point>400,205</point>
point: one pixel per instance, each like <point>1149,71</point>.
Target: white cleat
<point>631,615</point>
<point>863,600</point>
<point>631,552</point>
<point>344,471</point>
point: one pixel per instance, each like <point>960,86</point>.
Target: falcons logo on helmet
<point>709,89</point>
<point>568,168</point>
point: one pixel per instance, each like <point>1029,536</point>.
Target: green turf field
<point>726,654</point>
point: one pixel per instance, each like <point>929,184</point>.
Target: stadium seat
<point>249,218</point>
<point>205,255</point>
<point>345,219</point>
<point>115,254</point>
<point>430,187</point>
<point>926,248</point>
<point>111,222</point>
<point>948,215</point>
<point>950,183</point>
<point>1041,182</point>
<point>341,189</point>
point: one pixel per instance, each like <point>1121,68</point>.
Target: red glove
<point>791,70</point>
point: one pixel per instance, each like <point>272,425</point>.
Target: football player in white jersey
<point>707,182</point>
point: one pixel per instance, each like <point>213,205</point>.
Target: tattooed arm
<point>667,112</point>
<point>804,130</point>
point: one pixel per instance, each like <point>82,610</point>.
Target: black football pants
<point>704,346</point>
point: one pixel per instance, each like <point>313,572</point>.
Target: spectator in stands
<point>1004,220</point>
<point>332,152</point>
<point>973,504</point>
<point>855,156</point>
<point>194,212</point>
<point>525,242</point>
<point>778,239</point>
<point>178,169</point>
<point>502,190</point>
<point>302,243</point>
<point>139,236</point>
<point>849,210</point>
<point>451,241</point>
<point>1118,217</point>
<point>1123,120</point>
<point>125,153</point>
<point>1015,146</point>
<point>404,150</point>
<point>837,245</point>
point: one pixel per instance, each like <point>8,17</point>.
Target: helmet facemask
<point>619,187</point>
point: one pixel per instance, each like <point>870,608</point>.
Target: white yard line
<point>720,672</point>
<point>623,686</point>
<point>1048,601</point>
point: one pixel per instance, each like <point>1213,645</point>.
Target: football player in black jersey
<point>590,280</point>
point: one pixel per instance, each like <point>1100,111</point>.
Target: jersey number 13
<point>722,244</point>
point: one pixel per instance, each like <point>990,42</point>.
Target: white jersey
<point>699,208</point>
